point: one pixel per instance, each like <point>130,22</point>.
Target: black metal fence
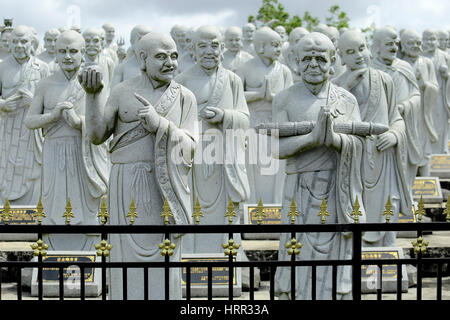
<point>356,261</point>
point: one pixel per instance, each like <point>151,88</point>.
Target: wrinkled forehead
<point>161,45</point>
<point>314,44</point>
<point>207,36</point>
<point>351,41</point>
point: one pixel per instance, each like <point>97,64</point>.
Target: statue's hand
<point>318,133</point>
<point>91,80</point>
<point>332,139</point>
<point>213,114</point>
<point>11,103</point>
<point>120,42</point>
<point>71,117</point>
<point>27,97</point>
<point>147,114</point>
<point>59,108</point>
<point>386,140</point>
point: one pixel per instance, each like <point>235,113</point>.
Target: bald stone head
<point>248,32</point>
<point>21,42</point>
<point>282,32</point>
<point>429,40</point>
<point>411,43</point>
<point>138,32</point>
<point>70,47</point>
<point>110,32</point>
<point>208,46</point>
<point>158,56</point>
<point>442,36</point>
<point>353,50</point>
<point>267,43</point>
<point>50,40</point>
<point>93,38</point>
<point>233,39</point>
<point>316,56</point>
<point>385,44</point>
<point>296,34</point>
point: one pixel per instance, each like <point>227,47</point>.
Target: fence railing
<point>357,230</point>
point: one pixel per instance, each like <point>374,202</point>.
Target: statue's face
<point>94,44</point>
<point>162,61</point>
<point>21,45</point>
<point>110,34</point>
<point>388,47</point>
<point>355,53</point>
<point>442,41</point>
<point>69,55</point>
<point>248,32</point>
<point>282,32</point>
<point>429,42</point>
<point>50,43</point>
<point>314,65</point>
<point>233,41</point>
<point>411,46</point>
<point>180,37</point>
<point>272,49</point>
<point>5,41</point>
<point>208,50</point>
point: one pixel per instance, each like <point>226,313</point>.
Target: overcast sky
<point>161,15</point>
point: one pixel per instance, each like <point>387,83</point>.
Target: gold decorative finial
<point>420,245</point>
<point>103,248</point>
<point>446,211</point>
<point>420,210</point>
<point>388,210</point>
<point>132,214</point>
<point>293,247</point>
<point>39,248</point>
<point>6,215</point>
<point>356,212</point>
<point>230,247</point>
<point>167,247</point>
<point>166,211</point>
<point>103,213</point>
<point>68,214</point>
<point>293,211</point>
<point>230,211</point>
<point>260,214</point>
<point>197,211</point>
<point>323,213</point>
<point>39,213</point>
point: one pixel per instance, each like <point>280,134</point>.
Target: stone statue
<point>234,56</point>
<point>130,67</point>
<point>222,111</point>
<point>94,38</point>
<point>178,33</point>
<point>443,38</point>
<point>319,165</point>
<point>188,59</point>
<point>333,34</point>
<point>288,54</point>
<point>385,47</point>
<point>109,46</point>
<point>152,122</point>
<point>441,61</point>
<point>263,77</point>
<point>4,48</point>
<point>429,90</point>
<point>37,46</point>
<point>72,167</point>
<point>384,163</point>
<point>248,32</point>
<point>48,56</point>
<point>20,148</point>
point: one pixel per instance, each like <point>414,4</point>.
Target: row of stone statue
<point>89,122</point>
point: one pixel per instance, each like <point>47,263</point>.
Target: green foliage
<point>273,13</point>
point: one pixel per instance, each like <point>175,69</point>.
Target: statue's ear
<point>142,58</point>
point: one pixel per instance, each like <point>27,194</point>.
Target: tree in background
<point>272,13</point>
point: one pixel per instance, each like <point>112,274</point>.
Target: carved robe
<point>151,167</point>
<point>215,180</point>
<point>383,172</point>
<point>233,62</point>
<point>72,167</point>
<point>265,173</point>
<point>315,174</point>
<point>20,147</point>
<point>407,95</point>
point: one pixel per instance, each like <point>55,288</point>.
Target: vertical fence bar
<point>40,286</point>
<point>209,283</point>
<point>313,282</point>
<point>0,285</point>
<point>145,283</point>
<point>380,282</point>
<point>61,283</point>
<point>82,283</point>
<point>334,282</point>
<point>188,283</point>
<point>293,273</point>
<point>356,270</point>
<point>272,283</point>
<point>230,272</point>
<point>124,283</point>
<point>103,264</point>
<point>166,272</point>
<point>19,283</point>
<point>439,282</point>
<point>419,270</point>
<point>252,283</point>
<point>399,281</point>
